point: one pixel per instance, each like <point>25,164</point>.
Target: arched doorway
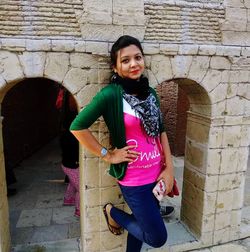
<point>31,127</point>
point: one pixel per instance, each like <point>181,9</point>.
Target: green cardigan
<point>109,104</point>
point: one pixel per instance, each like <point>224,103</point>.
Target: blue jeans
<point>145,224</point>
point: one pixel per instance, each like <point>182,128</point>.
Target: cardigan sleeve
<point>90,113</point>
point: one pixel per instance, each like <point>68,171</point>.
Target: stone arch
<point>8,84</point>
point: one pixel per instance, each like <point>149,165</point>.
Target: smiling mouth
<point>135,71</point>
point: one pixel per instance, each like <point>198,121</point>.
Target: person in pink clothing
<point>140,156</point>
<point>70,149</point>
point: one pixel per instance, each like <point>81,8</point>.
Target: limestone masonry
<point>203,46</point>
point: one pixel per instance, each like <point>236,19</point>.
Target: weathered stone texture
<point>40,18</point>
<point>178,23</point>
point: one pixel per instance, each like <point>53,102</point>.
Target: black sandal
<point>112,229</point>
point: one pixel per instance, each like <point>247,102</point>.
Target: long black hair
<point>121,43</point>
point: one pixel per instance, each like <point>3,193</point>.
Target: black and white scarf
<point>148,111</point>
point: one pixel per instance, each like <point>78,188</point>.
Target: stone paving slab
<point>71,245</point>
<point>35,217</point>
<point>64,215</point>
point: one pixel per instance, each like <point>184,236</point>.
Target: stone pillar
<point>199,194</point>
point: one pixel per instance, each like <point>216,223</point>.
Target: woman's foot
<point>114,228</point>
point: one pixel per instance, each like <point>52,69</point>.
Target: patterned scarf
<point>148,112</point>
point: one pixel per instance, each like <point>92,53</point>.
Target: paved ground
<point>40,223</point>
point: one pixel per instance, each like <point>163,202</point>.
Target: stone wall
<point>213,71</point>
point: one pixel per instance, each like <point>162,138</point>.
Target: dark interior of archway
<point>174,107</point>
<point>31,119</point>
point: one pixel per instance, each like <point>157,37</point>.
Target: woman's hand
<point>167,176</point>
<point>125,154</point>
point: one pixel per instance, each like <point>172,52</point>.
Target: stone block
<point>10,67</point>
<point>86,94</point>
<point>92,218</point>
<point>161,68</point>
<point>215,137</point>
<point>56,66</point>
<point>224,201</point>
<point>111,194</point>
<point>75,80</point>
<point>242,159</point>
<point>193,195</point>
<point>229,160</point>
<point>91,241</point>
<point>230,181</point>
<point>234,3</point>
<point>232,90</point>
<point>92,197</point>
<point>225,75</point>
<point>220,236</point>
<point>101,32</point>
<point>239,76</point>
<point>228,50</point>
<point>238,197</point>
<point>97,47</point>
<point>220,63</point>
<point>244,90</point>
<point>218,109</point>
<point>33,64</point>
<point>106,179</point>
<point>194,155</point>
<point>207,50</point>
<point>213,161</point>
<point>135,31</point>
<point>108,243</point>
<point>11,44</point>
<point>222,220</point>
<point>169,49</point>
<point>92,173</point>
<point>231,25</point>
<point>197,132</point>
<point>198,68</point>
<point>188,49</point>
<point>245,51</point>
<point>62,45</point>
<point>83,60</point>
<point>231,136</point>
<point>150,48</point>
<point>235,106</point>
<point>236,38</point>
<point>130,14</point>
<point>80,46</point>
<point>38,45</point>
<point>236,14</point>
<point>219,93</point>
<point>181,66</point>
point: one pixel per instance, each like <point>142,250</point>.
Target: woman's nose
<point>133,62</point>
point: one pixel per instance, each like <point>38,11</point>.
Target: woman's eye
<point>125,61</point>
<point>138,57</point>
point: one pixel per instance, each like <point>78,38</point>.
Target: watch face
<point>104,152</point>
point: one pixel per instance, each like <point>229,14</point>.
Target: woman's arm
<point>168,173</point>
<point>87,140</point>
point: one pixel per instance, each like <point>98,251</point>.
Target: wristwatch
<point>104,152</point>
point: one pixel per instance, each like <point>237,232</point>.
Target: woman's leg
<point>146,223</point>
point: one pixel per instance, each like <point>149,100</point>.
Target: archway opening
<point>186,107</point>
<point>31,129</point>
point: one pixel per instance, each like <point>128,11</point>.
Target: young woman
<point>141,155</point>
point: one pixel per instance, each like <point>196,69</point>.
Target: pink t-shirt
<point>146,168</point>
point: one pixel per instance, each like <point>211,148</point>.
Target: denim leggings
<point>145,224</point>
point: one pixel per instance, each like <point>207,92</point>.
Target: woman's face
<point>130,62</point>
